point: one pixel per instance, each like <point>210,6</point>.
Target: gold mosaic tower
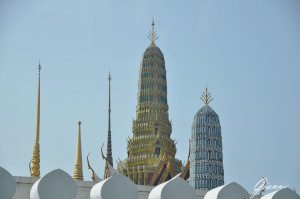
<point>35,161</point>
<point>151,150</point>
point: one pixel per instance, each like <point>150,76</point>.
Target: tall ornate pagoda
<point>151,150</point>
<point>206,160</point>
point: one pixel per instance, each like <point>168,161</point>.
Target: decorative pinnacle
<point>35,161</point>
<point>78,162</point>
<point>206,97</point>
<point>152,35</point>
<point>109,144</point>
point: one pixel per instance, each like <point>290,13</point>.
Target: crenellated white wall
<point>24,185</point>
<point>228,191</point>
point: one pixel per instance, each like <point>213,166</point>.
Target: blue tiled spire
<point>206,170</point>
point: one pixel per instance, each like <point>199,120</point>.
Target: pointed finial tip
<point>109,75</point>
<point>152,35</point>
<point>206,96</point>
<point>39,67</point>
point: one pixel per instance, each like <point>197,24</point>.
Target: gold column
<point>78,162</point>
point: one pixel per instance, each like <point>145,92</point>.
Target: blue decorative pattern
<point>206,170</point>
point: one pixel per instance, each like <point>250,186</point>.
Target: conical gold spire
<point>78,162</point>
<point>35,161</point>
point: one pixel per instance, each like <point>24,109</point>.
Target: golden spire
<point>35,161</point>
<point>78,162</point>
<point>206,97</point>
<point>152,35</point>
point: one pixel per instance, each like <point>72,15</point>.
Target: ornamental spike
<point>152,35</point>
<point>109,142</point>
<point>35,161</point>
<point>206,97</point>
<point>78,174</point>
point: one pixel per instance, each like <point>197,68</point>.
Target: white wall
<point>24,185</point>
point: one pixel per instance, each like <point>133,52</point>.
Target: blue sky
<point>247,52</point>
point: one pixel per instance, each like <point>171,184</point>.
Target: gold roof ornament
<point>78,174</point>
<point>206,97</point>
<point>34,165</point>
<point>95,178</point>
<point>153,35</point>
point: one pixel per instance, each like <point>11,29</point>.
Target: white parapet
<point>7,184</point>
<point>176,188</point>
<point>285,193</point>
<point>115,187</point>
<point>229,191</point>
<point>55,185</point>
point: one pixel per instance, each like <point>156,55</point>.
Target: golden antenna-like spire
<point>35,161</point>
<point>78,162</point>
<point>206,97</point>
<point>152,35</point>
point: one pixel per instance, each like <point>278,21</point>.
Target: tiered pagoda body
<point>151,150</point>
<point>206,159</point>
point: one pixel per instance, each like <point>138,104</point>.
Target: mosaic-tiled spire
<point>35,161</point>
<point>152,128</point>
<point>206,161</point>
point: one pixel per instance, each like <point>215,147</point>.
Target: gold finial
<point>206,97</point>
<point>35,161</point>
<point>152,35</point>
<point>78,162</point>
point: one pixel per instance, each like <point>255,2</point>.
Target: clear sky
<point>247,52</point>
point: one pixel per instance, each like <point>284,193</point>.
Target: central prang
<point>151,150</point>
